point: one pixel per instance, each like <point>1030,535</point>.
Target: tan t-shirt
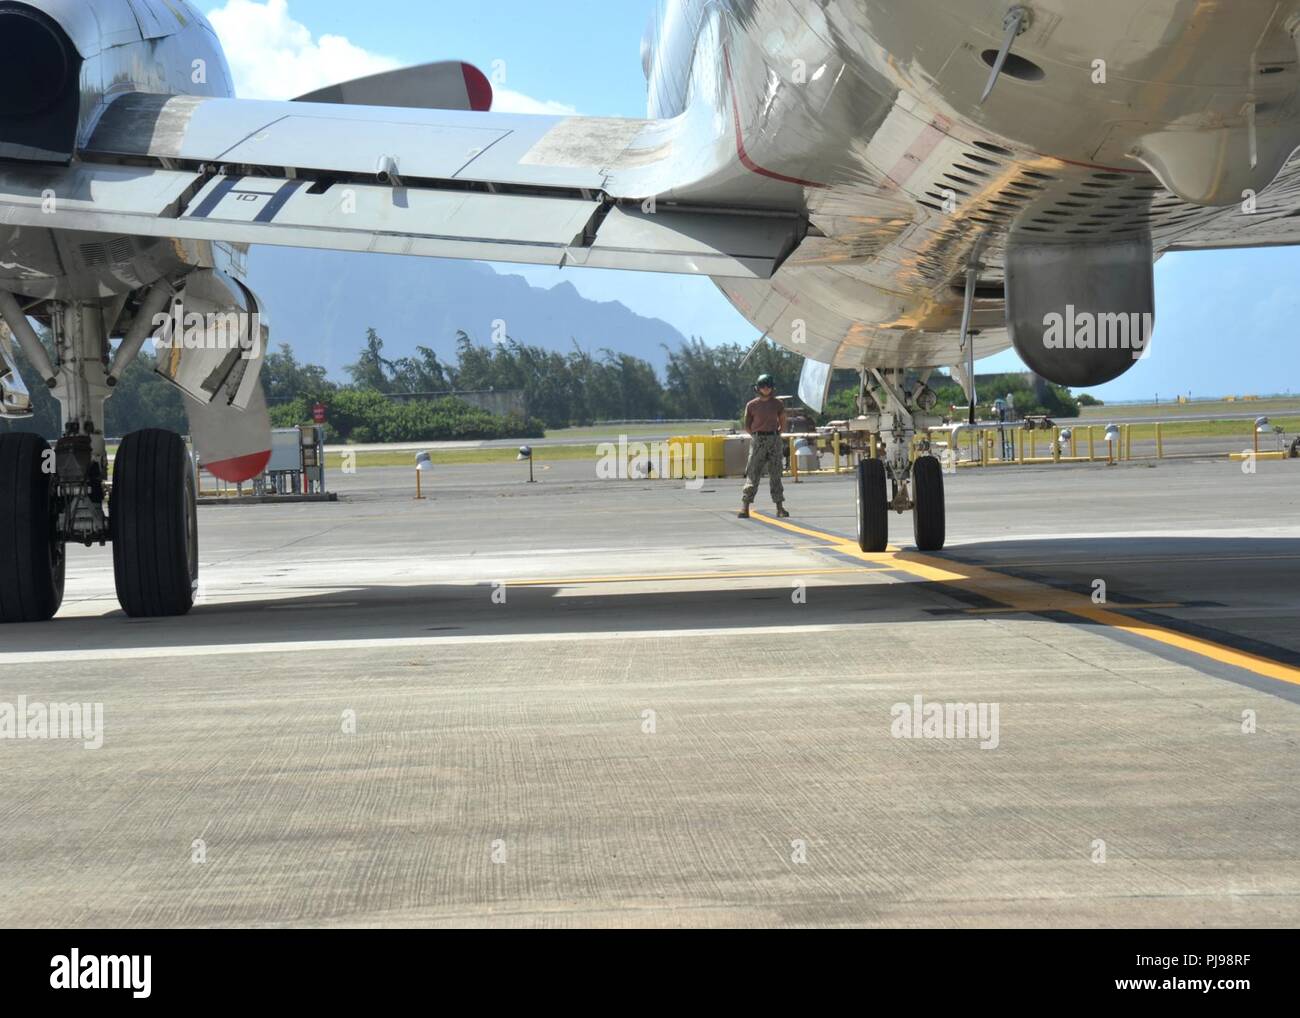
<point>763,414</point>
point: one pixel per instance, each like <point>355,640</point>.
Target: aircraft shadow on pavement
<point>1233,573</point>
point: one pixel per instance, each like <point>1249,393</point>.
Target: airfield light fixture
<point>423,463</point>
<point>1113,437</point>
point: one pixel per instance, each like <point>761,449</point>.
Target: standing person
<point>764,420</point>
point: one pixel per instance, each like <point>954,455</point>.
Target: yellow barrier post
<point>1160,442</point>
<point>1033,445</point>
<point>835,444</point>
<point>1128,441</point>
<point>1020,446</point>
<point>1056,445</point>
<point>1074,443</point>
<point>794,460</point>
<point>1255,433</point>
<point>1092,457</point>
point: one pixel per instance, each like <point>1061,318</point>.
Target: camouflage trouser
<point>765,452</point>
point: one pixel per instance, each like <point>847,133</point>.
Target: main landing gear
<point>906,476</point>
<point>53,497</point>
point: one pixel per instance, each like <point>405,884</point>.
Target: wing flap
<point>689,242</point>
<point>39,196</point>
<point>539,229</point>
<point>456,224</point>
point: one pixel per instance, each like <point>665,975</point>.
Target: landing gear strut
<point>50,498</point>
<point>897,472</point>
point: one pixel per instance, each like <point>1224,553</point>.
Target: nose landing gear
<point>906,476</point>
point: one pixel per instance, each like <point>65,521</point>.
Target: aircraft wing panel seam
<point>249,136</point>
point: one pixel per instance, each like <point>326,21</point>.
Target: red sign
<point>318,413</point>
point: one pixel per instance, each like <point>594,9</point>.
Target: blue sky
<point>1227,322</point>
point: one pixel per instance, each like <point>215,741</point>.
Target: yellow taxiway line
<point>1028,596</point>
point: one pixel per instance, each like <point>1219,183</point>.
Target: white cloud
<point>272,56</point>
<point>505,100</point>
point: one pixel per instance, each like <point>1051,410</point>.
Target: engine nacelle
<point>1080,314</point>
<point>40,97</point>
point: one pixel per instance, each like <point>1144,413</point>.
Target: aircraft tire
<point>154,524</point>
<point>32,559</point>
<point>873,507</point>
<point>928,517</point>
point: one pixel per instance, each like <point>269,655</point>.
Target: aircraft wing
<point>1269,219</point>
<point>441,183</point>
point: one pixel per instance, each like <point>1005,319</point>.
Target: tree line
<point>578,387</point>
<point>702,382</point>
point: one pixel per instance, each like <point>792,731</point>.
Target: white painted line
<point>386,643</point>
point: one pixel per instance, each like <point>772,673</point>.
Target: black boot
<point>744,511</point>
<point>780,511</point>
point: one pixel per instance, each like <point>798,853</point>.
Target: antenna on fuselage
<point>973,268</point>
<point>1015,24</point>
